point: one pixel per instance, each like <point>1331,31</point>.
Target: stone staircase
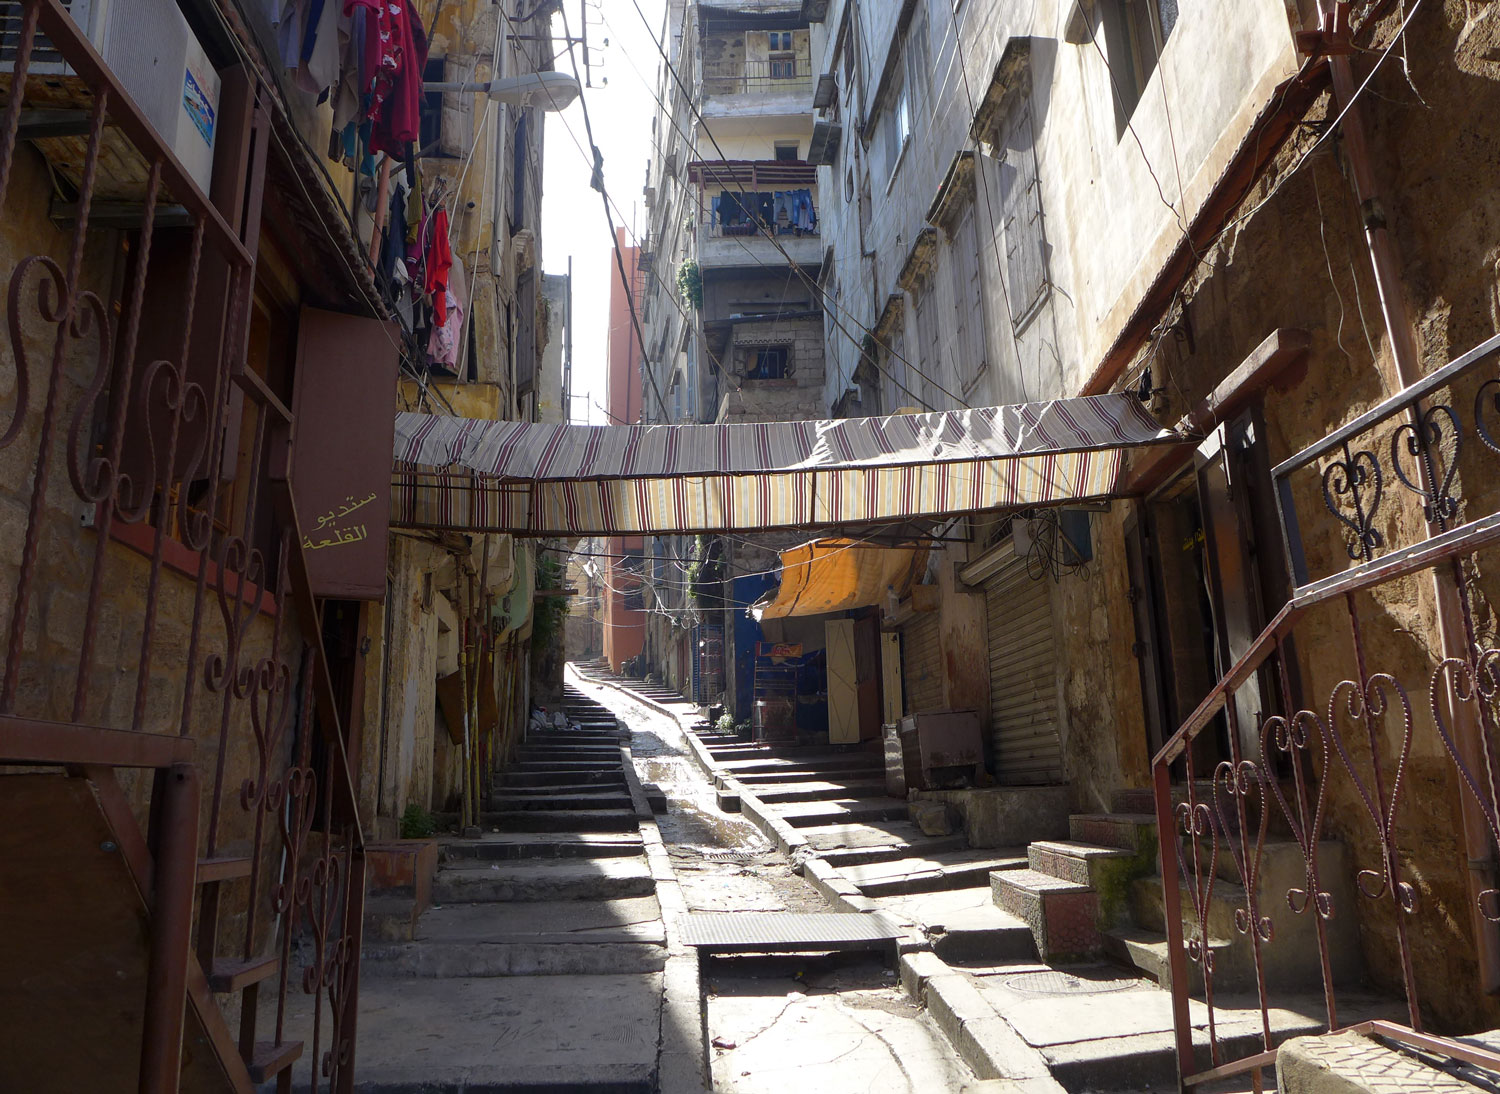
<point>836,803</point>
<point>1099,894</point>
<point>540,963</point>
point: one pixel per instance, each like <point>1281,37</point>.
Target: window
<point>783,59</point>
<point>968,300</point>
<point>787,150</point>
<point>918,59</point>
<point>1021,224</point>
<point>429,140</point>
<point>1135,31</point>
<point>928,338</point>
<point>895,125</point>
<point>769,363</point>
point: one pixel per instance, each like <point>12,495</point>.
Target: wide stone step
<point>963,925</point>
<point>1147,952</point>
<point>1128,831</point>
<point>544,754</point>
<point>551,958</point>
<point>813,814</point>
<point>585,1034</point>
<point>565,765</point>
<point>561,739</point>
<point>877,841</point>
<point>509,846</point>
<point>615,784</point>
<point>562,879</point>
<point>601,777</point>
<point>932,873</point>
<point>604,799</point>
<point>1062,914</point>
<point>560,820</point>
<point>823,790</point>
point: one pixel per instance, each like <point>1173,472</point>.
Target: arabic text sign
<point>341,451</point>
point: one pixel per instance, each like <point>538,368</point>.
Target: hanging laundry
<point>415,212</point>
<point>439,262</point>
<point>393,243</point>
<point>397,114</point>
<point>318,55</point>
<point>765,209</point>
<point>783,218</point>
<point>447,336</point>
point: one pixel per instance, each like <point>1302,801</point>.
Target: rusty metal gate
<point>164,678</point>
<point>1388,668</point>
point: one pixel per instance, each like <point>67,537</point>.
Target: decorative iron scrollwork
<point>1357,479</point>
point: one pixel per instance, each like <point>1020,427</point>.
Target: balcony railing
<point>778,77</point>
<point>1352,741</point>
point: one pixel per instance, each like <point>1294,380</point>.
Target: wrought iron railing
<point>176,631</point>
<point>785,77</point>
<point>1321,745</point>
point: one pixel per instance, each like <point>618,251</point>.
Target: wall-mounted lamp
<point>547,90</point>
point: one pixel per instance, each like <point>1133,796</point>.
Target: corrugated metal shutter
<point>1023,677</point>
<point>922,664</point>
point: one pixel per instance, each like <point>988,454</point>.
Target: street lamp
<point>547,90</point>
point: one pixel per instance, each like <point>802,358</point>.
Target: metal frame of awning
<point>563,480</point>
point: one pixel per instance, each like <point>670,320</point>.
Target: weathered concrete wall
<point>411,675</point>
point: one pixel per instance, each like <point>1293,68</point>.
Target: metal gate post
<point>175,876</point>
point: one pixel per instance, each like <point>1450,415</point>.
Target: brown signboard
<point>345,409</point>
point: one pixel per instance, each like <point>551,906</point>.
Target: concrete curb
<point>984,1040</point>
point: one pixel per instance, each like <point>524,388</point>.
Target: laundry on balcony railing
<point>785,212</point>
<point>542,479</point>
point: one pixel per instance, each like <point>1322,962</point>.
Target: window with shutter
<point>928,337</point>
<point>968,300</point>
<point>1021,224</point>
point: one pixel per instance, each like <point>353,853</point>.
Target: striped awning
<point>541,479</point>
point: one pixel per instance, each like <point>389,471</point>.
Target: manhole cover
<point>741,857</point>
<point>1051,982</point>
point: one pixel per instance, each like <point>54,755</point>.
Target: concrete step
<point>527,754</point>
<point>813,814</point>
<point>823,790</point>
<point>1148,906</point>
<point>1107,870</point>
<point>756,780</point>
<point>504,1035</point>
<point>876,841</point>
<point>552,766</point>
<point>603,798</point>
<point>1062,915</point>
<point>550,922</point>
<point>559,820</point>
<point>760,760</point>
<point>930,873</point>
<point>962,925</point>
<point>560,879</point>
<point>615,784</point>
<point>582,739</point>
<point>455,959</point>
<point>1146,951</point>
<point>1129,831</point>
<point>510,846</point>
<point>600,776</point>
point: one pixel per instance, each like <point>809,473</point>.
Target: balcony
<point>756,87</point>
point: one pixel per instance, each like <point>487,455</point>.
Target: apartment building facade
<point>1218,207</point>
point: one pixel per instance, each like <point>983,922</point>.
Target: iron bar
<point>171,936</point>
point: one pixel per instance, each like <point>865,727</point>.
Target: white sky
<point>573,221</point>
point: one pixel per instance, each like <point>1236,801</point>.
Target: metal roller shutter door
<point>922,662</point>
<point>1023,677</point>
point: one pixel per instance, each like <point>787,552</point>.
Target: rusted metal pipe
<point>1386,267</point>
<point>175,878</point>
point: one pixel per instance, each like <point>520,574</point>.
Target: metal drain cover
<point>785,932</point>
<point>744,858</point>
<point>1052,982</point>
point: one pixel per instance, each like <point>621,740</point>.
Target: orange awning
<point>834,575</point>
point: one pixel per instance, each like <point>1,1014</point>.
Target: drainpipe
<point>1374,211</point>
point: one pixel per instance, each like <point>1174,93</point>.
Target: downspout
<point>1374,211</point>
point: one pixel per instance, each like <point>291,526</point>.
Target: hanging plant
<point>690,283</point>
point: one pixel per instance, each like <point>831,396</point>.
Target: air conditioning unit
<point>824,146</point>
<point>155,56</point>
